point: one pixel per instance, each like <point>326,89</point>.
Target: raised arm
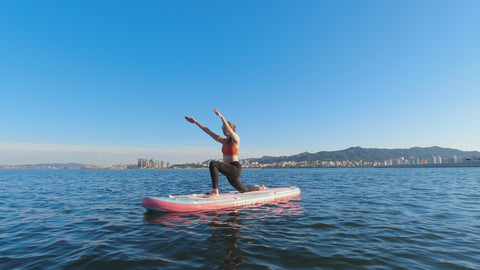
<point>227,126</point>
<point>216,137</point>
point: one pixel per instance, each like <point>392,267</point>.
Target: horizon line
<point>99,154</point>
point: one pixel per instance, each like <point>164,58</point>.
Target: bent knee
<point>212,164</point>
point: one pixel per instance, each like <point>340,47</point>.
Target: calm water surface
<point>345,219</point>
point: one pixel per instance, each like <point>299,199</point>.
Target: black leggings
<point>232,171</point>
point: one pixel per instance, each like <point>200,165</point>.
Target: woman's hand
<point>190,119</point>
<point>218,113</point>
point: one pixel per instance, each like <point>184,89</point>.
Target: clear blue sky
<point>109,81</point>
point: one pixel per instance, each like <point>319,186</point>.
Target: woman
<point>230,167</point>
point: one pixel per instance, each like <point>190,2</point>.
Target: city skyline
<point>447,157</point>
<point>108,82</point>
<point>151,163</point>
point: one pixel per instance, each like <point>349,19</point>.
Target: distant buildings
<point>145,163</point>
<point>141,164</point>
<point>152,164</point>
<point>434,161</point>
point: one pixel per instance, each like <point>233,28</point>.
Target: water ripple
<point>345,219</point>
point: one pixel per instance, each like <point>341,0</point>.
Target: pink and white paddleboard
<point>233,199</point>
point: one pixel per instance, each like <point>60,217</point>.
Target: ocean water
<point>422,218</point>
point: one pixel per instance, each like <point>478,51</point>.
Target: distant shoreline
<point>182,167</point>
<point>353,157</point>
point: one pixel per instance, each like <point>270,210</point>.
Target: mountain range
<point>373,154</point>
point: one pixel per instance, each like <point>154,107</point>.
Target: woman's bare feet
<point>213,195</point>
<point>263,187</point>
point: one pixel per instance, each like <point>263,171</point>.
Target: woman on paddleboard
<point>230,167</point>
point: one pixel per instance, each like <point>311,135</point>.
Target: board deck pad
<point>233,199</point>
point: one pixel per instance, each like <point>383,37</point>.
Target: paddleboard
<point>233,199</point>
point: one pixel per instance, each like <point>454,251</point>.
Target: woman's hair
<point>232,125</point>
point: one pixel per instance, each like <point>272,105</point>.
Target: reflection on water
<point>223,244</point>
<point>175,219</point>
<point>224,230</point>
